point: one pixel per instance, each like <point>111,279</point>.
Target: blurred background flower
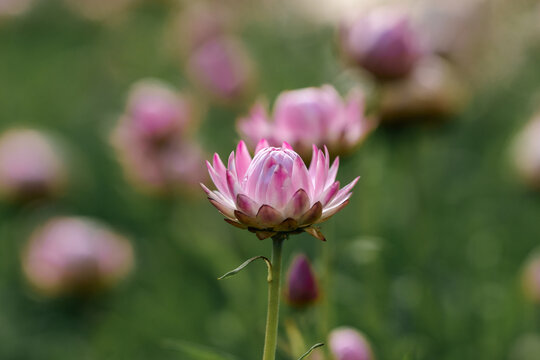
<point>349,344</point>
<point>302,288</point>
<point>152,139</point>
<point>9,8</point>
<point>71,255</point>
<point>339,125</point>
<point>526,152</point>
<point>31,165</point>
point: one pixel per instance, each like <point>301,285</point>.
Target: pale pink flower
<point>310,116</point>
<point>152,140</point>
<point>275,192</point>
<point>349,344</point>
<point>383,42</point>
<point>72,254</point>
<point>30,165</point>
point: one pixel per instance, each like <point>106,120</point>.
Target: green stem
<point>274,289</point>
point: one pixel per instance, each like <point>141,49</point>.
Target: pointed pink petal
<point>298,204</point>
<point>329,193</point>
<point>279,190</point>
<point>343,193</point>
<point>245,204</point>
<point>232,184</point>
<point>327,213</point>
<point>218,166</point>
<point>218,180</point>
<point>224,209</point>
<point>300,176</point>
<point>320,175</point>
<point>261,145</point>
<point>243,159</point>
<point>314,161</point>
<point>332,173</point>
<point>286,145</point>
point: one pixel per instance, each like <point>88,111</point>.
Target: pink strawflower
<point>152,140</point>
<point>349,344</point>
<point>302,288</point>
<point>30,165</point>
<point>74,255</point>
<point>383,42</point>
<point>310,116</point>
<point>275,192</point>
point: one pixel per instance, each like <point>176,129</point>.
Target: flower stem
<point>274,289</point>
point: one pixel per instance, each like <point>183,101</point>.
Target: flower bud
<point>75,255</point>
<point>222,68</point>
<point>383,42</point>
<point>526,152</point>
<point>349,344</point>
<point>302,288</point>
<point>30,165</point>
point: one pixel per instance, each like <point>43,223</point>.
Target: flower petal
<point>328,213</point>
<point>287,225</point>
<point>261,145</point>
<point>246,219</point>
<point>298,204</point>
<point>223,208</point>
<point>342,194</point>
<point>246,205</point>
<point>315,232</point>
<point>243,159</point>
<point>236,224</point>
<point>268,216</point>
<point>312,215</point>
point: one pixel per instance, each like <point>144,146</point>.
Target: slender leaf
<point>310,350</point>
<point>246,263</point>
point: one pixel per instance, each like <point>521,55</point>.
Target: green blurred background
<point>425,260</point>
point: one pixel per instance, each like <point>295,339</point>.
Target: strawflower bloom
<point>302,288</point>
<point>30,165</point>
<point>153,141</point>
<point>75,255</point>
<point>275,192</point>
<point>310,116</point>
<point>349,344</point>
<point>383,42</point>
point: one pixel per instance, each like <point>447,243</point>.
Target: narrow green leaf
<point>246,263</point>
<point>196,351</point>
<point>310,350</point>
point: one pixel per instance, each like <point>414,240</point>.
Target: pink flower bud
<point>30,165</point>
<point>310,116</point>
<point>531,279</point>
<point>302,288</point>
<point>222,68</point>
<point>75,255</point>
<point>526,152</point>
<point>383,42</point>
<point>156,110</point>
<point>349,344</point>
<point>152,142</point>
<point>275,192</point>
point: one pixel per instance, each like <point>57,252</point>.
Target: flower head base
<point>30,165</point>
<point>75,255</point>
<point>382,42</point>
<point>310,116</point>
<point>349,344</point>
<point>275,192</point>
<point>302,288</point>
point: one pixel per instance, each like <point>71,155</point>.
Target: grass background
<point>425,260</point>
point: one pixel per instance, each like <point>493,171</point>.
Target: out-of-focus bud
<point>302,288</point>
<point>531,278</point>
<point>310,116</point>
<point>526,152</point>
<point>9,8</point>
<point>432,90</point>
<point>157,111</point>
<point>30,165</point>
<point>152,142</point>
<point>383,42</point>
<point>99,9</point>
<point>222,68</point>
<point>69,255</point>
<point>349,344</point>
